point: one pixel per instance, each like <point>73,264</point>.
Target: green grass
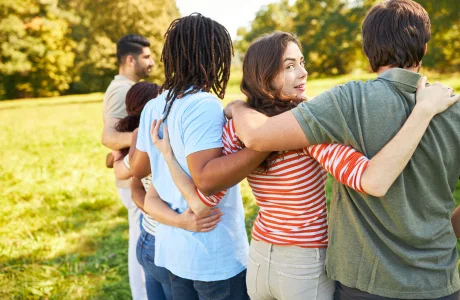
<point>63,228</point>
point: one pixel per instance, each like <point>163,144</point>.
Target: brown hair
<point>262,63</point>
<point>197,56</point>
<point>136,98</point>
<point>395,33</point>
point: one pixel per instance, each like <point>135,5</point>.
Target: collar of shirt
<point>405,80</point>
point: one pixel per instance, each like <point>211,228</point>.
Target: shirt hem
<point>398,294</point>
<point>214,277</point>
<point>204,147</point>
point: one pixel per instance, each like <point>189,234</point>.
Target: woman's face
<point>292,79</point>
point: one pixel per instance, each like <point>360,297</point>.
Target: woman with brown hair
<point>290,234</point>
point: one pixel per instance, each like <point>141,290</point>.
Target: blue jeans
<point>230,289</point>
<point>156,278</point>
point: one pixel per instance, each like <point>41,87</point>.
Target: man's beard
<point>142,72</point>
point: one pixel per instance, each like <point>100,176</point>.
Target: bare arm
<point>138,160</point>
<point>262,133</point>
<point>138,193</point>
<point>456,221</point>
<point>187,220</point>
<point>113,139</point>
<point>122,172</point>
<point>181,179</point>
<point>387,165</point>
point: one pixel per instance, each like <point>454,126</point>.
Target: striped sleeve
<point>344,163</point>
<point>231,144</point>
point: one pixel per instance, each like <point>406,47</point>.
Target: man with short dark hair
<point>401,245</point>
<point>135,63</point>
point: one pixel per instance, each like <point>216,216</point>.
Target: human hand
<point>117,155</point>
<point>435,98</point>
<point>161,144</point>
<point>189,221</point>
<point>109,160</point>
<point>228,109</point>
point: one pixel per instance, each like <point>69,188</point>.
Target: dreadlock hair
<point>262,63</point>
<point>197,57</point>
<point>136,98</point>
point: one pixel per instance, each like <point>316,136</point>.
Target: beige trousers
<point>287,273</point>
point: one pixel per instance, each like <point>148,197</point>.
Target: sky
<point>233,14</point>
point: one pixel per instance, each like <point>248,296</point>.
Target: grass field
<point>63,229</point>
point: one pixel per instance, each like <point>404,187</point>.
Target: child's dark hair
<point>131,44</point>
<point>136,98</point>
<point>197,56</point>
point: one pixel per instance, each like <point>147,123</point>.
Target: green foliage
<point>100,25</point>
<point>444,48</point>
<point>51,47</point>
<point>36,57</point>
<point>330,33</point>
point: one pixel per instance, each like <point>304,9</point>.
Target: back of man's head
<point>395,33</point>
<point>131,44</point>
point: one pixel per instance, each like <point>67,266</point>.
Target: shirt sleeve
<point>343,162</point>
<point>327,118</point>
<point>202,125</point>
<point>116,103</point>
<point>231,145</point>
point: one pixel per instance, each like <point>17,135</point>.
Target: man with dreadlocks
<point>197,56</point>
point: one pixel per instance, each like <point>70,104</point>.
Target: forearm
<point>186,186</point>
<point>139,163</point>
<point>249,124</point>
<point>121,171</point>
<point>262,133</point>
<point>385,167</point>
<point>224,172</point>
<point>115,140</point>
<point>138,193</point>
<point>160,211</point>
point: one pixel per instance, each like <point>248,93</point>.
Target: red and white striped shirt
<point>291,195</point>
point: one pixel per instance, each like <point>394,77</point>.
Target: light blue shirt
<point>195,123</point>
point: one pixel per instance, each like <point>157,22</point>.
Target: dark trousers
<point>233,288</point>
<point>343,292</point>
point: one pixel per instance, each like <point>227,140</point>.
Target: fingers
<point>210,224</point>
<point>154,130</point>
<point>210,219</point>
<point>166,133</point>
<point>422,83</point>
<point>452,100</point>
<point>207,229</point>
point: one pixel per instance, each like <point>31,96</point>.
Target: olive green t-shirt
<point>401,245</point>
<point>114,105</point>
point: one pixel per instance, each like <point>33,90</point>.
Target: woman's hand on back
<point>161,144</point>
<point>435,98</point>
<point>189,221</point>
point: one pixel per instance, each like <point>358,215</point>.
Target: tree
<point>35,56</point>
<point>96,33</point>
<point>275,16</point>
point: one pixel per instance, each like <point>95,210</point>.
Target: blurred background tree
<point>55,47</point>
<point>330,33</point>
<point>51,47</point>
